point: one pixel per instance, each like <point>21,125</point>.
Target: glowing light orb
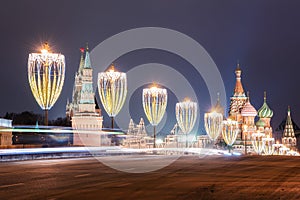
<point>46,74</point>
<point>257,142</point>
<point>154,104</point>
<point>213,124</point>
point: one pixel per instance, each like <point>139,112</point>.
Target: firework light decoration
<point>112,88</point>
<point>186,115</point>
<point>46,74</point>
<point>213,124</point>
<point>257,142</point>
<point>154,104</point>
<point>229,132</point>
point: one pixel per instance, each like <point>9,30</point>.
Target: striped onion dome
<point>248,110</point>
<point>265,111</point>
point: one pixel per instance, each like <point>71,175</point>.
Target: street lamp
<point>213,125</point>
<point>230,131</point>
<point>257,142</point>
<point>112,88</point>
<point>186,115</point>
<point>46,74</point>
<point>154,104</point>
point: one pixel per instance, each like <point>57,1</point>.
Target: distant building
<point>5,136</point>
<point>83,111</point>
<point>242,111</point>
<point>288,137</point>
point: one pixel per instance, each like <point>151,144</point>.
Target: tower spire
<point>238,90</point>
<point>248,96</point>
<point>81,63</point>
<point>87,60</point>
<point>87,46</point>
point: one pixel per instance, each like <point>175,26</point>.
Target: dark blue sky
<point>263,35</point>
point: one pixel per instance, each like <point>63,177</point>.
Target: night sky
<point>263,35</point>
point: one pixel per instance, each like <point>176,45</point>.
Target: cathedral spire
<point>289,129</point>
<point>81,63</point>
<point>238,90</point>
<point>87,60</point>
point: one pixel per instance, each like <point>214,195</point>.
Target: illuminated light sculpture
<point>112,88</point>
<point>230,131</point>
<point>213,124</point>
<point>257,142</point>
<point>284,150</point>
<point>186,115</point>
<point>46,74</point>
<point>154,104</point>
<point>268,146</point>
<point>276,147</point>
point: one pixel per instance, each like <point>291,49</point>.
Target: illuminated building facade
<point>288,138</point>
<point>82,110</point>
<point>5,137</point>
<point>242,111</point>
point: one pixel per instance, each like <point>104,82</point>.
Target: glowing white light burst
<point>46,74</point>
<point>213,124</point>
<point>186,115</point>
<point>154,104</point>
<point>257,142</point>
<point>112,87</point>
<point>268,146</point>
<point>230,131</point>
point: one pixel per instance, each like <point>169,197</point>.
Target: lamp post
<point>112,88</point>
<point>46,74</point>
<point>154,104</point>
<point>213,125</point>
<point>257,142</point>
<point>186,115</point>
<point>229,132</point>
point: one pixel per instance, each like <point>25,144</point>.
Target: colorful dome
<point>248,110</point>
<point>265,111</point>
<point>260,123</point>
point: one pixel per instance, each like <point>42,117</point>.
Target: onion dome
<point>248,110</point>
<point>260,123</point>
<point>265,111</point>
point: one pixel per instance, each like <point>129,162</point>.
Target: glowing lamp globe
<point>154,104</point>
<point>112,88</point>
<point>46,74</point>
<point>186,115</point>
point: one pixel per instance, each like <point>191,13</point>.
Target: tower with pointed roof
<point>238,100</point>
<point>82,109</point>
<point>288,138</point>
